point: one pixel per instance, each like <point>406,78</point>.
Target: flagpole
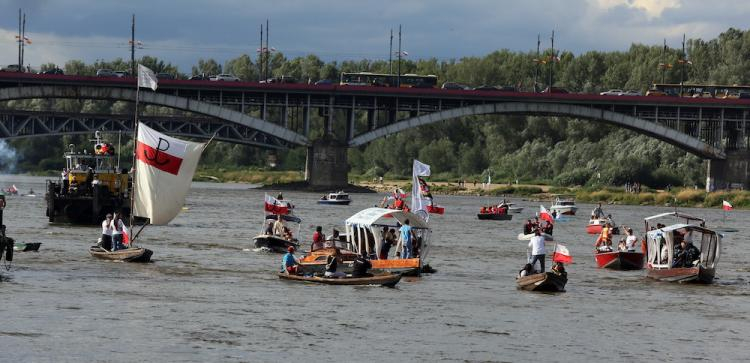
<point>135,148</point>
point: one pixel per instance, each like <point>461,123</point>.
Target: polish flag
<point>726,205</point>
<point>163,172</point>
<point>545,215</point>
<point>561,254</point>
<point>275,206</point>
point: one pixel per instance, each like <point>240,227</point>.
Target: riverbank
<point>680,197</point>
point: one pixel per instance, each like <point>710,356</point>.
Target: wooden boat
<point>27,247</point>
<point>595,226</point>
<point>494,216</point>
<point>338,198</point>
<point>125,255</point>
<point>548,281</point>
<point>276,243</point>
<point>619,260</point>
<point>663,265</point>
<point>564,205</point>
<point>389,280</point>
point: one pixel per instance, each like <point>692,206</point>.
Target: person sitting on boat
<point>360,266</point>
<point>118,228</point>
<point>621,246</point>
<point>548,227</point>
<point>269,228</point>
<point>288,234</point>
<point>527,270</point>
<point>332,265</point>
<point>502,209</point>
<point>389,239</point>
<point>407,236</point>
<point>630,240</point>
<point>398,204</point>
<point>528,228</point>
<point>559,269</point>
<point>289,263</point>
<point>597,213</point>
<point>483,210</point>
<point>107,226</point>
<point>278,227</point>
<point>317,239</point>
<point>325,197</point>
<point>537,249</point>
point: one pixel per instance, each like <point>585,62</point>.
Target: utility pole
<point>132,47</point>
<point>20,42</point>
<point>398,79</point>
<point>663,64</point>
<point>268,53</point>
<point>682,61</point>
<point>390,55</point>
<point>23,40</point>
<point>260,55</point>
<point>552,62</point>
<point>536,70</point>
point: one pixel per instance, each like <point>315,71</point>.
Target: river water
<point>208,297</point>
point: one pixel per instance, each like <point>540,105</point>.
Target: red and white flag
<point>163,172</point>
<point>545,215</point>
<point>726,205</point>
<point>561,254</point>
<point>275,206</point>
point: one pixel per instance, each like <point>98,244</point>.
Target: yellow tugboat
<point>90,186</point>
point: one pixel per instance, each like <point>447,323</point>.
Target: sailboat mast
<point>135,148</point>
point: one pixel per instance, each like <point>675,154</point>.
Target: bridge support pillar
<point>733,172</point>
<point>327,166</point>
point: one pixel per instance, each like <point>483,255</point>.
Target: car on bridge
<point>612,92</point>
<point>486,88</point>
<point>10,68</point>
<point>121,74</point>
<point>225,77</point>
<point>454,85</point>
<point>200,77</point>
<point>632,93</point>
<point>164,75</point>
<point>52,71</point>
<point>105,73</point>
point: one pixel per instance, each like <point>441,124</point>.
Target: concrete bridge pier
<point>732,172</point>
<point>326,166</point>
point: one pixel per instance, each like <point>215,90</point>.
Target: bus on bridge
<point>700,90</point>
<point>388,80</point>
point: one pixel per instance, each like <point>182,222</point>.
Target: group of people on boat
<point>598,213</point>
<point>277,228</point>
<point>535,225</point>
<point>114,231</point>
<point>360,266</point>
<point>604,240</point>
<point>686,254</point>
<point>538,254</point>
<point>494,209</point>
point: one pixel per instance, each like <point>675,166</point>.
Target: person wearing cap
<point>107,226</point>
<point>289,263</point>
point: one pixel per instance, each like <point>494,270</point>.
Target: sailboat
<point>163,168</point>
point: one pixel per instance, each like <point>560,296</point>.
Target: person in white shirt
<point>278,227</point>
<point>631,240</point>
<point>537,249</point>
<point>107,232</point>
<point>118,228</point>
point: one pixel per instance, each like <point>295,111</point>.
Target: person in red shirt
<point>318,238</point>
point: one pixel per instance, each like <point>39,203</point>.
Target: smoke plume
<point>7,158</point>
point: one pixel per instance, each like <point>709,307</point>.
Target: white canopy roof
<point>674,214</point>
<point>371,216</point>
<point>678,226</point>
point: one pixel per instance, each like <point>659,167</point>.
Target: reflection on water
<point>209,297</point>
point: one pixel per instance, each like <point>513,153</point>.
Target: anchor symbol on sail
<point>155,157</point>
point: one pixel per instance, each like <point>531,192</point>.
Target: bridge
<point>283,115</point>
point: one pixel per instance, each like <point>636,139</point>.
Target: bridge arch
<point>158,99</point>
<point>686,142</point>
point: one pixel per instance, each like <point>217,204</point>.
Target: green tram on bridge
<point>388,80</point>
<point>90,186</point>
<point>699,90</point>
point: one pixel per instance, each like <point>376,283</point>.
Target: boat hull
<point>274,243</point>
<point>527,237</point>
<point>406,267</point>
<point>683,274</point>
<point>389,280</point>
<point>27,247</point>
<point>126,255</point>
<point>334,202</point>
<point>494,216</point>
<point>619,260</point>
<point>597,229</point>
<point>568,211</point>
<point>515,210</point>
<point>546,282</point>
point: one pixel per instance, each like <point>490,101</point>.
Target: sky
<point>182,32</point>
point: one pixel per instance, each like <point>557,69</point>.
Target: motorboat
<point>513,209</point>
<point>278,241</point>
<point>563,205</point>
<point>338,198</point>
<point>596,224</point>
<point>387,279</point>
<point>664,263</point>
<point>619,260</point>
<point>364,236</point>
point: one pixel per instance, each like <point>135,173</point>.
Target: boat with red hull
<point>595,227</point>
<point>619,260</point>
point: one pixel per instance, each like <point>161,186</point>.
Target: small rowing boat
<point>619,260</point>
<point>389,280</point>
<point>548,281</point>
<point>494,216</point>
<point>126,255</point>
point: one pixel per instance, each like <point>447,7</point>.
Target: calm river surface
<point>206,297</point>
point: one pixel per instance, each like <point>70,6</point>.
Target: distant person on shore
<point>536,244</point>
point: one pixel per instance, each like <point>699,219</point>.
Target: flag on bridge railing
<point>146,77</point>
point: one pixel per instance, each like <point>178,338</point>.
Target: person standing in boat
<point>318,238</point>
<point>389,239</point>
<point>278,226</point>
<point>289,263</point>
<point>118,229</point>
<point>407,236</point>
<point>536,244</point>
<point>107,226</point>
<point>630,240</point>
<point>597,213</point>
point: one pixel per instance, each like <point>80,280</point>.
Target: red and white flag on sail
<point>561,254</point>
<point>275,206</point>
<point>726,205</point>
<point>545,215</point>
<point>163,172</point>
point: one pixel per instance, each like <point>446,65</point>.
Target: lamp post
<point>683,61</point>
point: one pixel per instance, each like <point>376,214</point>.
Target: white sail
<point>418,201</point>
<point>164,169</point>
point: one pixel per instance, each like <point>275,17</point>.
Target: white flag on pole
<point>418,202</point>
<point>146,77</point>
